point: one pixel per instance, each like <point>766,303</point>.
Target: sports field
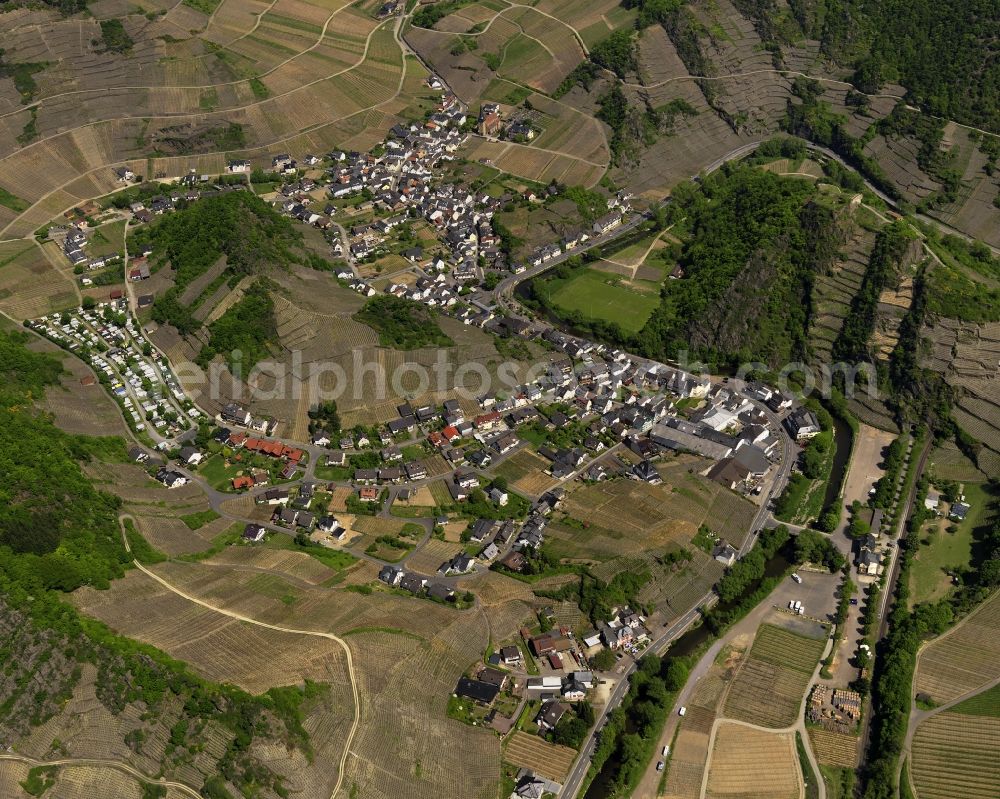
<point>598,295</point>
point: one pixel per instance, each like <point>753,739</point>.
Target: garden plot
<point>964,658</point>
<point>769,687</point>
<point>752,764</point>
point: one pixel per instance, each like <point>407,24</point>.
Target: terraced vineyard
<point>833,292</point>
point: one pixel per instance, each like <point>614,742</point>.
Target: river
<point>842,439</point>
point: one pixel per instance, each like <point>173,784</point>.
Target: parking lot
<point>816,592</point>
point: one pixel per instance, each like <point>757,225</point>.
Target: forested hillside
<point>237,226</point>
<point>755,242</point>
<point>57,533</point>
<point>942,51</point>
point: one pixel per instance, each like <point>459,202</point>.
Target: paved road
<point>648,786</point>
<point>582,763</point>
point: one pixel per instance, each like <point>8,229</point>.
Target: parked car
<point>666,750</point>
<point>683,711</point>
<point>660,766</point>
<point>854,601</point>
<point>796,577</point>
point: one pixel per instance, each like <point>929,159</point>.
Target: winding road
<point>293,630</point>
<point>99,763</point>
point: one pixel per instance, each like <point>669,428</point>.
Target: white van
<point>682,711</point>
<point>795,576</point>
<point>666,750</point>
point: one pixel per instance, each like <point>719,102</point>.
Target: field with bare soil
<point>752,764</point>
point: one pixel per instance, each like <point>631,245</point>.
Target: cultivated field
<point>690,751</point>
<point>549,760</point>
<point>769,687</point>
<point>339,354</point>
<point>31,283</point>
<point>525,471</point>
<point>76,408</point>
<point>834,748</point>
<point>305,77</point>
<point>752,764</point>
<point>407,661</point>
<point>621,517</point>
<point>963,659</point>
<point>955,755</point>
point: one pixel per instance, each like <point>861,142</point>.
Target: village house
<point>254,533</point>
